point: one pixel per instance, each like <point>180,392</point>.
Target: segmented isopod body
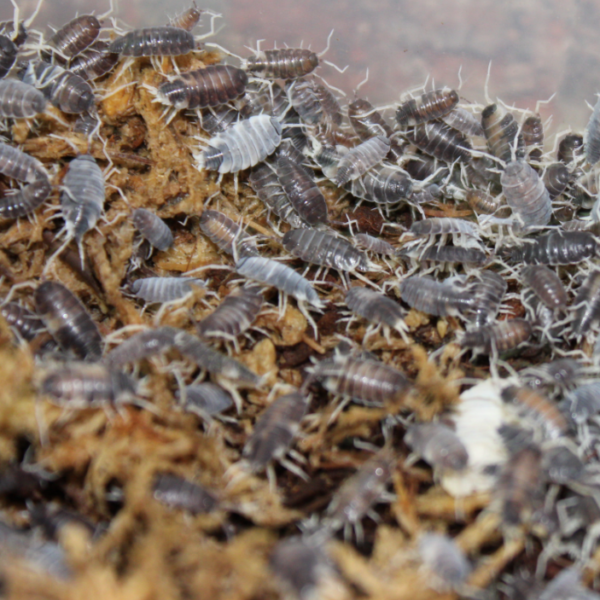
<point>587,304</point>
<point>583,402</point>
<point>233,316</point>
<point>243,145</point>
<point>570,148</point>
<point>274,431</point>
<point>464,121</point>
<point>592,136</point>
<point>444,559</point>
<point>211,86</point>
<point>65,90</point>
<point>556,248</point>
<point>546,285</point>
<point>271,272</point>
<point>177,492</point>
<point>21,166</point>
<point>154,41</point>
<point>360,492</point>
<point>501,130</point>
<point>427,107</point>
<point>164,289</point>
<point>502,336</point>
<point>374,244</point>
<point>85,384</point>
<point>302,192</point>
<point>482,203</point>
<point>447,254</point>
<point>20,100</point>
<point>562,372</point>
<point>227,234</point>
<point>437,444</point>
<point>67,320</point>
<point>376,308</point>
<point>265,183</point>
<point>283,63</point>
<point>269,99</point>
<point>526,194</point>
<point>383,184</point>
<point>8,55</point>
<point>94,62</point>
<point>488,291</point>
<point>188,19</point>
<point>332,111</point>
<point>206,399</point>
<point>367,381</point>
<point>22,320</point>
<point>444,226</point>
<point>314,103</point>
<point>533,132</point>
<point>361,158</point>
<point>217,120</point>
<point>82,196</point>
<point>441,141</point>
<point>152,228</point>
<point>75,36</point>
<point>322,248</point>
<point>87,125</point>
<point>434,297</point>
<point>142,345</point>
<point>556,179</point>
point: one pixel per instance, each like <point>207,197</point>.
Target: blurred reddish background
<point>538,47</point>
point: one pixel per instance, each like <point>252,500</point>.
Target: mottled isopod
<point>383,184</point>
<point>152,228</point>
<point>154,41</point>
<point>444,226</point>
<point>164,289</point>
<point>464,121</point>
<point>427,107</point>
<point>501,130</point>
<point>441,141</point>
<point>283,63</point>
<point>434,297</point>
<point>501,336</point>
<point>227,234</point>
<point>533,134</point>
<point>438,445</point>
<point>20,100</point>
<point>361,158</point>
<point>75,36</point>
<point>487,291</point>
<point>546,285</point>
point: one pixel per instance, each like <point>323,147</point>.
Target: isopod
<point>68,321</point>
<point>464,121</point>
<point>283,63</point>
<point>188,19</point>
<point>583,402</point>
<point>556,179</point>
<point>441,141</point>
<point>427,107</point>
<point>25,201</point>
<point>211,86</point>
<point>75,36</point>
<point>546,285</point>
<point>87,384</point>
<point>233,316</point>
<point>526,194</point>
<point>445,560</point>
<point>438,445</point>
<point>94,62</point>
<point>274,431</point>
<point>556,248</point>
<point>444,226</point>
<point>361,158</point>
<point>87,125</point>
<point>152,228</point>
<point>217,120</point>
<point>271,272</point>
<point>7,29</point>
<point>22,320</point>
<point>487,291</point>
<point>206,399</point>
<point>321,248</point>
<point>179,493</point>
<point>227,234</point>
<point>561,372</point>
<point>434,297</point>
<point>314,102</point>
<point>154,41</point>
<point>501,130</point>
<point>570,148</point>
<point>533,134</point>
<point>447,254</point>
<point>164,289</point>
<point>242,145</point>
<point>374,244</point>
<point>383,184</point>
<point>8,55</point>
<point>592,136</point>
<point>587,304</point>
<point>482,203</point>
<point>501,336</point>
<point>20,100</point>
<point>376,308</point>
<point>303,193</point>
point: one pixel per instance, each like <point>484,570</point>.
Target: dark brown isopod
<point>441,141</point>
<point>283,63</point>
<point>75,36</point>
<point>482,203</point>
<point>94,62</point>
<point>22,320</point>
<point>501,130</point>
<point>7,29</point>
<point>427,107</point>
<point>556,179</point>
<point>8,55</point>
<point>533,132</point>
<point>570,148</point>
<point>154,41</point>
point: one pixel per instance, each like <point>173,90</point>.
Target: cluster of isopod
<point>330,240</point>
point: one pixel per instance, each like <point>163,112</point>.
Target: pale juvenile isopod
<point>526,194</point>
<point>75,36</point>
<point>434,297</point>
<point>303,193</point>
<point>242,145</point>
<point>283,63</point>
<point>555,248</point>
<point>154,41</point>
<point>592,136</point>
<point>374,244</point>
<point>211,86</point>
<point>164,289</point>
<point>322,248</point>
<point>82,196</point>
<point>152,228</point>
<point>206,399</point>
<point>441,141</point>
<point>227,234</point>
<point>265,183</point>
<point>444,559</point>
<point>502,133</point>
<point>233,316</point>
<point>20,100</point>
<point>83,385</point>
<point>179,493</point>
<point>22,320</point>
<point>438,445</point>
<point>501,336</point>
<point>546,285</point>
<point>487,291</point>
<point>361,158</point>
<point>68,321</point>
<point>376,308</point>
<point>271,272</point>
<point>427,107</point>
<point>94,62</point>
<point>587,304</point>
<point>464,121</point>
<point>274,431</point>
<point>8,55</point>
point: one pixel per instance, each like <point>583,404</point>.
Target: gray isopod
<point>152,228</point>
<point>444,226</point>
<point>587,304</point>
<point>75,36</point>
<point>271,272</point>
<point>361,158</point>
<point>22,320</point>
<point>94,62</point>
<point>304,98</point>
<point>274,431</point>
<point>177,492</point>
<point>233,316</point>
<point>435,297</point>
<point>82,196</point>
<point>437,444</point>
<point>526,194</point>
<point>546,285</point>
<point>444,559</point>
<point>487,292</point>
<point>21,166</point>
<point>283,63</point>
<point>376,308</point>
<point>243,145</point>
<point>592,136</point>
<point>583,402</point>
<point>427,107</point>
<point>383,184</point>
<point>206,399</point>
<point>464,121</point>
<point>555,248</point>
<point>19,100</point>
<point>501,130</point>
<point>447,254</point>
<point>441,141</point>
<point>374,244</point>
<point>226,234</point>
<point>164,289</point>
<point>154,41</point>
<point>322,248</point>
<point>503,336</point>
